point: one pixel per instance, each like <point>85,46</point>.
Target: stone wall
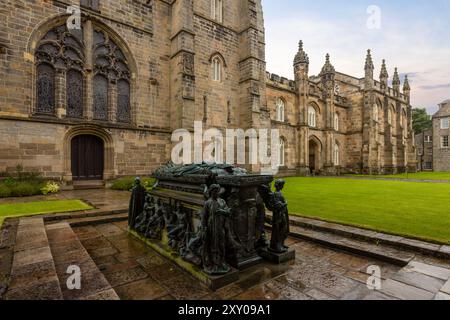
<point>45,148</point>
<point>441,155</point>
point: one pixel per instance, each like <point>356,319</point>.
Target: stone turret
<point>301,58</point>
<point>301,63</point>
<point>328,73</point>
<point>406,87</point>
<point>368,68</point>
<point>384,76</point>
<point>396,81</point>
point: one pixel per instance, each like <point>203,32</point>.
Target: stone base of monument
<point>213,282</point>
<point>277,258</point>
<point>247,263</point>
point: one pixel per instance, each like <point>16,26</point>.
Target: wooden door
<point>87,157</point>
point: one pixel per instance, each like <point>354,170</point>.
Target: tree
<point>421,120</point>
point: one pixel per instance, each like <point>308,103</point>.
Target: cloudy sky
<point>413,35</point>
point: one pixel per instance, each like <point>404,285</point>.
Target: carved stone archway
<point>108,173</point>
<point>315,155</point>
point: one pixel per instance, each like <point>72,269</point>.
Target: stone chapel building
<point>102,102</point>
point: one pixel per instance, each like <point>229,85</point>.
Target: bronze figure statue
<point>280,219</point>
<point>137,202</point>
<point>216,233</point>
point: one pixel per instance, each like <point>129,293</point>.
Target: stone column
<point>183,66</point>
<point>60,94</point>
<point>252,68</point>
<point>112,101</point>
<point>88,40</point>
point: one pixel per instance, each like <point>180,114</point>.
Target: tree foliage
<point>421,120</point>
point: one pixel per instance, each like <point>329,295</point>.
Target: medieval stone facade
<point>112,92</point>
<point>424,148</point>
<point>334,123</point>
<point>441,134</point>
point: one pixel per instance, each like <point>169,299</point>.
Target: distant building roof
<point>444,109</point>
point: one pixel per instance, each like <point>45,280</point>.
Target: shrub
<point>9,182</point>
<point>5,191</point>
<point>127,183</point>
<point>50,187</point>
<point>24,189</point>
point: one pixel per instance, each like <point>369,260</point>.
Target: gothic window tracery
<point>58,50</point>
<point>61,58</point>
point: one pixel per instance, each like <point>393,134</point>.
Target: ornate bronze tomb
<point>210,219</point>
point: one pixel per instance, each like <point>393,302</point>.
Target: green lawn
<point>416,176</point>
<point>413,209</point>
<point>41,207</point>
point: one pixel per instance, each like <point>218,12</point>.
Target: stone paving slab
<point>403,291</point>
<point>33,273</point>
<point>442,296</point>
<point>93,283</point>
<point>446,288</point>
<point>419,280</point>
<point>429,270</point>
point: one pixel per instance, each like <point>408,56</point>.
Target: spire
<point>406,86</point>
<point>328,67</point>
<point>384,74</point>
<point>369,61</point>
<point>396,80</point>
<point>301,56</point>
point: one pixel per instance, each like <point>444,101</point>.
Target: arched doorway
<point>314,156</point>
<point>87,157</point>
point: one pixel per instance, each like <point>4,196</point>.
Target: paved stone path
<point>118,266</point>
<point>136,272</point>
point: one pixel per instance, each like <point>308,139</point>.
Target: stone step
<point>83,214</point>
<point>71,257</point>
<point>437,250</point>
<point>376,251</point>
<point>88,184</point>
<point>96,220</point>
<point>33,272</point>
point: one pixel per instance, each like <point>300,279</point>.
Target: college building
<point>101,101</point>
<point>433,151</point>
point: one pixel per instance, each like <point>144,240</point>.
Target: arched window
<point>217,10</point>
<point>405,124</point>
<point>337,155</point>
<point>66,52</point>
<point>312,117</point>
<point>101,97</point>
<point>336,121</point>
<point>281,154</point>
<point>75,89</point>
<point>45,88</point>
<point>392,116</point>
<point>123,101</point>
<point>375,112</point>
<point>217,69</point>
<point>280,110</point>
